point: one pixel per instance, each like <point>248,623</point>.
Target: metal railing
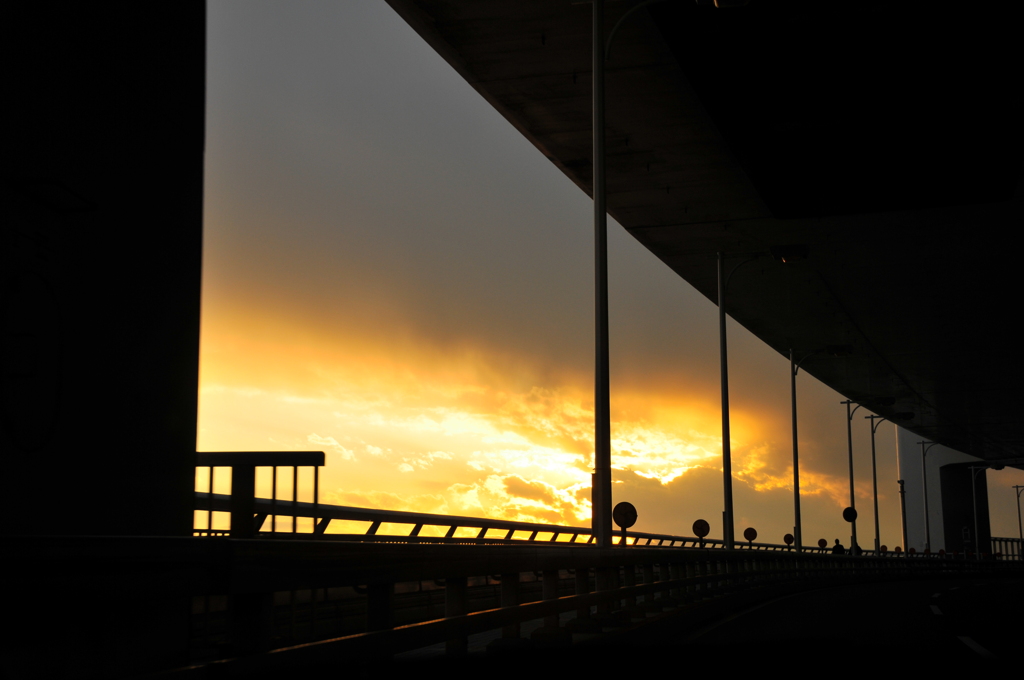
<point>365,599</point>
<point>1007,548</point>
<point>258,517</point>
<point>484,529</point>
<point>245,521</point>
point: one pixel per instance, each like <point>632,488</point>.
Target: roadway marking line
<point>976,647</point>
<point>936,610</point>
<point>955,588</point>
<point>936,594</point>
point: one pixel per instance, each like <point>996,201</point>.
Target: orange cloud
<point>413,427</point>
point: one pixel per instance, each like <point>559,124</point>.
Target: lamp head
<point>789,253</point>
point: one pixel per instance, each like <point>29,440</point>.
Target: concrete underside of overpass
<point>883,143</point>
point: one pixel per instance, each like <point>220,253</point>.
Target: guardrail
<point>485,530</point>
<point>353,600</point>
<point>244,521</point>
<point>258,517</point>
<point>1007,548</point>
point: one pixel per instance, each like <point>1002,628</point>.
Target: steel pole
<point>903,512</point>
<point>1020,528</point>
<point>853,502</point>
<point>974,511</point>
<point>798,535</point>
<point>727,522</point>
<point>874,482</point>
<point>875,493</point>
<point>924,480</point>
<point>601,498</point>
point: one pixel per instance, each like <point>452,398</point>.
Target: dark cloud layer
<point>359,190</point>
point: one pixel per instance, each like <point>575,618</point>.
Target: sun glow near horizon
<point>394,275</point>
<point>447,432</point>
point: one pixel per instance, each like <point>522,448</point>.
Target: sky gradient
<point>393,275</point>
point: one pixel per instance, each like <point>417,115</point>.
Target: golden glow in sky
<point>409,427</point>
<point>395,276</point>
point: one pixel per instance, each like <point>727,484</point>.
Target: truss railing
<point>251,516</point>
<point>482,530</point>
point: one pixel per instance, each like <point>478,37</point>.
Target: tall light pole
<point>601,494</point>
<point>903,491</point>
<point>853,500</point>
<point>975,469</point>
<point>924,482</point>
<point>728,528</point>
<point>1020,528</point>
<point>874,474</point>
<point>601,490</point>
<point>797,533</point>
<point>794,368</point>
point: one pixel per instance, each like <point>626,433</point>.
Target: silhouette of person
<point>838,548</point>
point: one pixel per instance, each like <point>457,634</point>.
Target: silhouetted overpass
<point>885,159</point>
<point>901,223</point>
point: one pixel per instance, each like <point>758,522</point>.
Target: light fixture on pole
<point>903,510</point>
<point>875,422</point>
<point>1020,528</point>
<point>874,474</point>
<point>925,446</point>
<point>601,490</point>
<point>975,542</point>
<point>794,368</point>
<point>853,499</point>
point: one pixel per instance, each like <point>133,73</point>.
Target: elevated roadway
<point>869,156</point>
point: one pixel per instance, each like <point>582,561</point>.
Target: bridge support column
<point>650,604</point>
<point>605,581</point>
<point>689,571</point>
<point>629,579</point>
<point>243,501</point>
<point>609,613</point>
<point>510,598</point>
<point>455,604</point>
<point>379,606</point>
<point>551,634</point>
<point>250,622</point>
<point>583,623</point>
<point>665,574</point>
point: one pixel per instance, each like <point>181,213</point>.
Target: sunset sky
<point>395,276</point>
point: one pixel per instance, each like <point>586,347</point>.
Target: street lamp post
<point>794,367</point>
<point>728,530</point>
<point>903,512</point>
<point>1020,528</point>
<point>924,483</point>
<point>602,485</point>
<point>853,501</point>
<point>974,507</point>
<point>601,491</point>
<point>874,475</point>
<point>798,535</point>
